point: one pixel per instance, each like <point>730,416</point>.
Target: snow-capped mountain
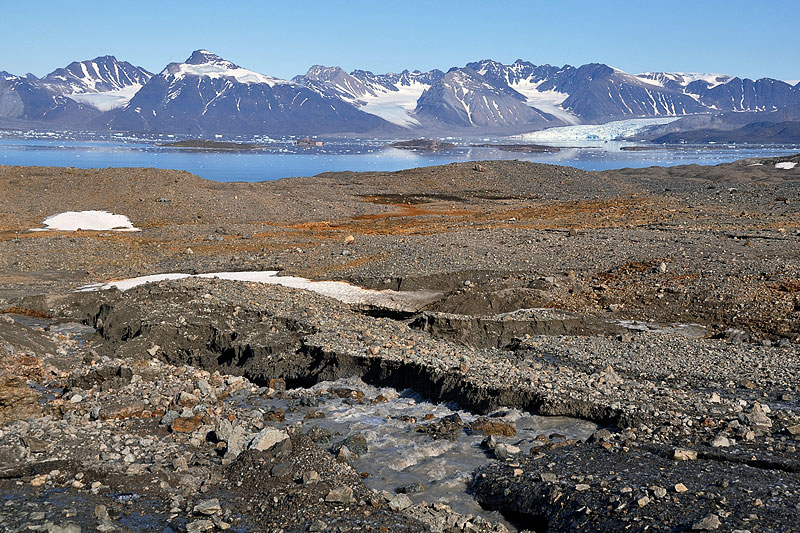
<point>534,82</point>
<point>720,92</point>
<point>103,82</point>
<point>461,98</point>
<point>25,98</point>
<point>591,93</point>
<point>465,98</point>
<point>393,97</point>
<point>207,93</point>
<point>682,80</point>
<point>765,94</point>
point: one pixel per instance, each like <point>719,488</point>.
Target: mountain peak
<point>203,57</point>
<point>204,64</point>
<point>323,73</point>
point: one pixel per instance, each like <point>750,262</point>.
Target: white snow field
<point>786,165</point>
<point>87,220</point>
<point>338,290</point>
<point>394,106</point>
<point>221,69</point>
<point>108,100</point>
<point>547,101</point>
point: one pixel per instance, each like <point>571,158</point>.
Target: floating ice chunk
<point>786,165</point>
<point>87,220</point>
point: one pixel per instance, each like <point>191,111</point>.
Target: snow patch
<point>216,70</point>
<point>338,290</point>
<point>683,78</point>
<point>87,220</point>
<point>394,106</point>
<point>547,101</point>
<point>786,165</point>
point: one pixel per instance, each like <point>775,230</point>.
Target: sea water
<point>284,159</point>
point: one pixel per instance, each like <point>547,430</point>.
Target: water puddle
<point>399,451</point>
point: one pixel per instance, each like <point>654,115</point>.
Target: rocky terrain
<point>662,305</point>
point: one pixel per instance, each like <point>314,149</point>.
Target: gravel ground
<point>139,426</point>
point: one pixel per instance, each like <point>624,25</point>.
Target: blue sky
<point>748,39</point>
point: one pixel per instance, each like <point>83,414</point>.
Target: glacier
<point>595,132</point>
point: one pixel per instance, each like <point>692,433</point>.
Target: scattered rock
<point>400,502</point>
<point>267,438</point>
<point>355,443</point>
<point>311,477</point>
<point>493,427</point>
<point>186,424</point>
<point>708,523</point>
<point>343,494</point>
<point>684,455</point>
<point>411,488</point>
<point>207,507</point>
<point>318,525</point>
<point>720,441</point>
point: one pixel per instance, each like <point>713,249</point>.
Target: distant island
<point>430,145</point>
<point>203,144</point>
<point>307,142</point>
<point>527,148</point>
<point>638,148</point>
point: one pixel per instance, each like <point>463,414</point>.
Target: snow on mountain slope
<point>207,93</point>
<point>103,82</point>
<point>204,63</point>
<point>465,98</point>
<point>683,79</point>
<point>392,97</point>
<point>397,106</point>
<point>108,100</point>
<point>526,79</point>
<point>100,74</point>
<point>547,101</point>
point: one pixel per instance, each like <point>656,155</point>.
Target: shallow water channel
<point>398,452</point>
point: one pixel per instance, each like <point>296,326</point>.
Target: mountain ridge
<point>484,96</point>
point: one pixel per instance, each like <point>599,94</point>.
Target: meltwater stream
<point>398,453</point>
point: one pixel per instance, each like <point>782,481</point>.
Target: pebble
<point>311,477</point>
<point>341,494</point>
<point>399,502</point>
<point>411,488</point>
<point>266,438</point>
<point>207,507</point>
<point>199,525</point>
<point>684,455</point>
<point>318,525</point>
<point>720,441</point>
